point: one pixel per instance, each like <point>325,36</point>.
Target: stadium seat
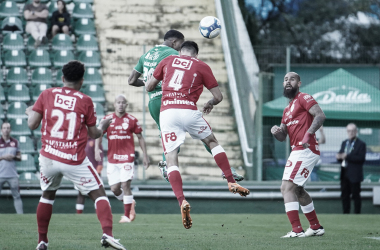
<point>28,177</point>
<point>90,59</point>
<point>99,109</point>
<point>105,144</point>
<point>37,133</point>
<point>86,43</point>
<point>26,164</point>
<point>36,90</point>
<point>19,1</point>
<point>2,81</point>
<point>12,24</point>
<point>17,110</point>
<point>39,58</point>
<point>96,92</point>
<point>58,78</point>
<point>62,42</point>
<point>20,127</point>
<point>30,44</point>
<point>14,58</point>
<point>62,57</point>
<point>18,92</point>
<point>26,145</point>
<point>84,26</point>
<point>31,1</point>
<point>2,115</point>
<point>52,7</point>
<point>17,75</point>
<point>84,1</point>
<point>82,10</point>
<point>42,76</point>
<point>39,144</point>
<point>8,9</point>
<point>13,41</point>
<point>92,76</point>
<point>2,94</point>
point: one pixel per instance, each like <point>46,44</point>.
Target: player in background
<point>121,155</point>
<point>98,165</point>
<point>183,78</point>
<point>145,66</point>
<point>301,119</point>
<point>68,116</point>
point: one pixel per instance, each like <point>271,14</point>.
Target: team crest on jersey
<point>125,126</point>
<point>153,56</point>
<point>288,164</point>
<point>126,120</point>
<point>65,102</point>
<point>182,63</point>
<point>12,144</point>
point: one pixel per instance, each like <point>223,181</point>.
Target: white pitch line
<point>375,238</point>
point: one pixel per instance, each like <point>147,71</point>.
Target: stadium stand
<point>8,9</point>
<point>87,43</point>
<point>19,127</point>
<point>2,94</point>
<point>30,45</point>
<point>39,58</point>
<point>16,110</point>
<point>12,25</point>
<point>90,58</point>
<point>14,58</point>
<point>2,114</point>
<point>13,41</point>
<point>26,145</point>
<point>62,57</point>
<point>84,26</point>
<point>17,75</point>
<point>62,42</point>
<point>36,90</point>
<point>26,164</point>
<point>82,10</point>
<point>92,76</point>
<point>18,92</point>
<point>41,76</point>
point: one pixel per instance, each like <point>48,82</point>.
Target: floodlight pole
<point>287,142</point>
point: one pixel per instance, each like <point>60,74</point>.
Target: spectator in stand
<point>36,15</point>
<point>60,19</point>
<point>9,153</point>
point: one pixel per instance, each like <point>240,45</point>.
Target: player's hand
<point>207,107</point>
<point>29,110</point>
<point>97,155</point>
<point>8,157</point>
<point>275,130</point>
<point>343,155</point>
<point>104,123</point>
<point>306,139</point>
<point>146,161</point>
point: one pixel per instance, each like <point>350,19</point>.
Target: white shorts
<point>175,123</point>
<point>299,166</point>
<point>120,172</point>
<point>84,176</point>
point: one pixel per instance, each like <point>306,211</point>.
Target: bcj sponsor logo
<point>65,102</point>
<point>182,63</point>
<point>345,95</point>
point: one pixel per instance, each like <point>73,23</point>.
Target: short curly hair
<point>73,71</point>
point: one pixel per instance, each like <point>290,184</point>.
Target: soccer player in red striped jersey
<point>183,78</point>
<point>67,117</point>
<point>301,119</point>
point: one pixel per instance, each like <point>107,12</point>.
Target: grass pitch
<point>211,231</point>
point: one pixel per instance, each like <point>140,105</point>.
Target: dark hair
<point>64,5</point>
<point>191,46</point>
<point>73,71</point>
<point>173,34</point>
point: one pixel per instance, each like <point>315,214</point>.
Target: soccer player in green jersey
<point>146,66</point>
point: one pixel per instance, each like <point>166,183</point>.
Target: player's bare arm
<point>217,98</point>
<point>96,132</point>
<point>134,80</point>
<point>34,118</point>
<point>151,84</point>
<point>319,118</point>
<point>97,149</point>
<point>146,161</point>
<point>279,133</point>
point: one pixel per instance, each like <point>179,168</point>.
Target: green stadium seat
<point>86,43</point>
<point>17,110</point>
<point>13,41</point>
<point>31,1</point>
<point>30,45</point>
<point>37,133</point>
<point>62,57</point>
<point>19,1</point>
<point>18,92</point>
<point>58,78</point>
<point>28,177</point>
<point>62,42</point>
<point>90,59</point>
<point>99,109</point>
<point>52,7</point>
<point>39,58</point>
<point>2,94</point>
<point>84,26</point>
<point>42,76</point>
<point>82,10</point>
<point>105,144</point>
<point>14,58</point>
<point>36,90</point>
<point>26,145</point>
<point>12,24</point>
<point>84,1</point>
<point>39,144</point>
<point>26,164</point>
<point>2,81</point>
<point>92,76</point>
<point>96,92</point>
<point>17,75</point>
<point>20,127</point>
<point>2,115</point>
<point>9,9</point>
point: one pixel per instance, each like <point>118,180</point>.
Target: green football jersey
<point>149,61</point>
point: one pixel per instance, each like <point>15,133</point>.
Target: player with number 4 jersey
<point>183,78</point>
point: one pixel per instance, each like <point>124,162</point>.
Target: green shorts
<point>154,110</point>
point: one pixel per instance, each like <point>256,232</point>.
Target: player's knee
<point>115,189</point>
<point>300,191</point>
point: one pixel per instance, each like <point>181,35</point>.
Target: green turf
<point>211,231</point>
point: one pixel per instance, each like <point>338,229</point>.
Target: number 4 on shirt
<point>176,80</point>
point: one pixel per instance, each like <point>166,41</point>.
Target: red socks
<point>44,211</point>
<point>104,213</point>
<point>175,180</point>
<point>311,215</point>
<point>291,209</point>
<point>222,162</point>
<point>79,208</point>
<point>127,200</point>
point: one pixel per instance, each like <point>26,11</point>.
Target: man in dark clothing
<point>352,157</point>
<point>36,16</point>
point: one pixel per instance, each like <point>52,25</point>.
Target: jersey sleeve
<point>159,71</point>
<point>137,128</point>
<point>140,65</point>
<point>209,80</point>
<point>90,116</point>
<point>39,104</point>
<point>307,101</point>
